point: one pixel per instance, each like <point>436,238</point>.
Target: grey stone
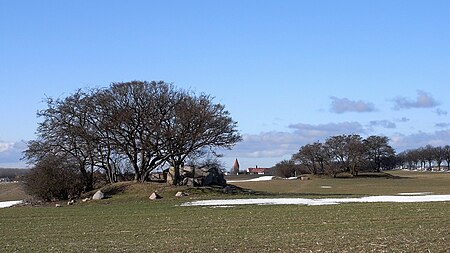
<point>98,195</point>
<point>228,189</point>
<point>181,194</point>
<point>155,196</point>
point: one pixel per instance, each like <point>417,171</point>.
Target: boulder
<point>98,195</point>
<point>155,196</point>
<point>170,175</point>
<point>192,176</point>
<point>191,172</point>
<point>228,190</point>
<point>181,194</point>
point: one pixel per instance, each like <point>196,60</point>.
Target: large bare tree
<point>143,123</point>
<point>196,123</point>
<point>64,133</point>
<point>378,150</point>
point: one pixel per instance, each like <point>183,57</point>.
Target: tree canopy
<point>138,124</point>
<point>346,153</point>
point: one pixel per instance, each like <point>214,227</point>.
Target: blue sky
<point>290,72</point>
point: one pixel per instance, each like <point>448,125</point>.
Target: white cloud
<point>438,138</point>
<point>323,131</point>
<point>423,100</point>
<point>11,153</point>
<point>267,144</point>
<point>5,146</point>
<point>382,123</point>
<point>268,148</point>
<point>342,105</point>
<point>279,144</point>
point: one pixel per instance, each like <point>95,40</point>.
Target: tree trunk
<point>176,176</point>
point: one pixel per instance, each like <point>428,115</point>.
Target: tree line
<point>426,157</point>
<point>353,154</point>
<point>342,153</point>
<point>139,125</point>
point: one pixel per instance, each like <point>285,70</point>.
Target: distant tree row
<point>137,125</point>
<point>426,157</point>
<point>342,153</point>
<point>352,154</point>
<point>13,174</point>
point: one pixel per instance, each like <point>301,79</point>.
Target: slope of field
<point>12,191</point>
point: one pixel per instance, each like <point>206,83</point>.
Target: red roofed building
<point>259,171</point>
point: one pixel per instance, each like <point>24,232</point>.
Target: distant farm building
<point>259,171</point>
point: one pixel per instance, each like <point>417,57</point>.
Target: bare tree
<point>285,168</point>
<point>196,124</point>
<point>446,149</point>
<point>438,156</point>
<point>378,150</point>
<point>347,151</point>
<point>132,115</point>
<point>145,123</point>
<point>356,153</point>
<point>313,156</point>
<point>336,146</point>
<point>427,154</point>
<point>63,133</point>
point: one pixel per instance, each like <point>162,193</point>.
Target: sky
<point>289,72</point>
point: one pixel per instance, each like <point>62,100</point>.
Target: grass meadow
<point>129,222</point>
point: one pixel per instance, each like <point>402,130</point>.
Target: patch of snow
<point>414,193</point>
<point>263,178</point>
<point>326,187</point>
<point>317,202</point>
<point>9,203</point>
<point>220,207</point>
<point>292,178</point>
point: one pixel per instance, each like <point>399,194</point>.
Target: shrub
<point>53,178</point>
<point>285,168</point>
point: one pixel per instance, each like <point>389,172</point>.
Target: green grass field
<point>129,222</point>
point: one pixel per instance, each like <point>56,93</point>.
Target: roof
<point>236,164</point>
<point>257,170</point>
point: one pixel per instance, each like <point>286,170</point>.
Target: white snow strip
<point>414,193</point>
<point>9,203</point>
<point>316,202</point>
<point>263,178</point>
<point>326,187</point>
<point>220,206</point>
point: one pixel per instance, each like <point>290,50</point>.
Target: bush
<point>54,179</point>
<point>285,168</point>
